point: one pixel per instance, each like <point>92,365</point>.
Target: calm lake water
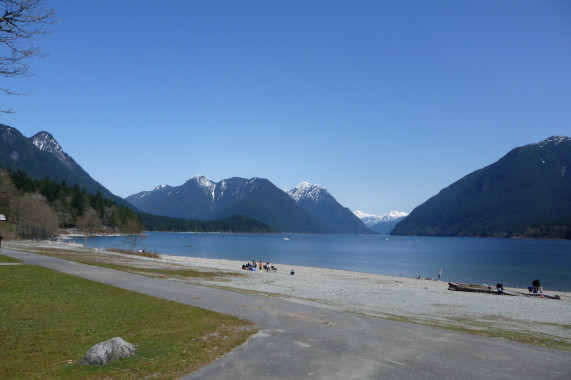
<point>512,262</point>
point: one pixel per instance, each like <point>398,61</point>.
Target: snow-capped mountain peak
<point>306,190</point>
<point>371,220</point>
<point>44,141</point>
<point>553,140</point>
<point>204,182</point>
<point>161,187</point>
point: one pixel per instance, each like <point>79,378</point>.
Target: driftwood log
<point>456,286</point>
<point>541,295</point>
<point>479,289</point>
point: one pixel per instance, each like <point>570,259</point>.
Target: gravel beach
<point>408,299</point>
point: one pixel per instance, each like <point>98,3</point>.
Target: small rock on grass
<point>104,352</point>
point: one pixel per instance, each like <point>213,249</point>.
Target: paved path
<point>299,341</point>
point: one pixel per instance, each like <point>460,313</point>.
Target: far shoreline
<point>483,278</point>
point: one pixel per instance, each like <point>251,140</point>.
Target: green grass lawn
<point>48,321</point>
<point>7,259</point>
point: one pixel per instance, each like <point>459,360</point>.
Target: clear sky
<point>384,103</point>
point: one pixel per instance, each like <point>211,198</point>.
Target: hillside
<point>525,192</point>
<point>41,156</point>
<point>318,202</point>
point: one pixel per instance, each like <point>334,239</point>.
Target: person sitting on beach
<point>536,285</point>
<point>500,288</point>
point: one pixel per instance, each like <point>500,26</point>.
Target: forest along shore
<point>534,319</point>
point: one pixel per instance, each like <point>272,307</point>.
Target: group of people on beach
<point>253,265</point>
<point>535,287</point>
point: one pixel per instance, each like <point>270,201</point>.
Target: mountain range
<point>313,210</point>
<point>307,208</point>
<point>525,193</point>
<point>384,223</point>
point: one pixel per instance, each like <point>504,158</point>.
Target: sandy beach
<point>408,299</point>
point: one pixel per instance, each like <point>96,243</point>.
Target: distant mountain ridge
<point>307,209</point>
<point>202,199</point>
<point>525,193</point>
<point>382,224</point>
<point>371,219</point>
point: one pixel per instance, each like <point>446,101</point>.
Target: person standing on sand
<point>439,274</point>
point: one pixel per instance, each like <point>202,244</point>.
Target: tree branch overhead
<point>20,22</point>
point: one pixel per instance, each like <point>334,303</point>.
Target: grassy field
<point>48,321</point>
<point>6,259</point>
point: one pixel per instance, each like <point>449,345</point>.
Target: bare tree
<point>134,231</point>
<point>7,192</point>
<point>20,22</point>
<point>33,217</point>
<point>89,221</point>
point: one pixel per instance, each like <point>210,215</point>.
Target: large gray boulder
<point>104,352</point>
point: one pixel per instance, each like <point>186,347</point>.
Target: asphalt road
<point>299,341</point>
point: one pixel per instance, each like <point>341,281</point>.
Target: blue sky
<point>384,103</point>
